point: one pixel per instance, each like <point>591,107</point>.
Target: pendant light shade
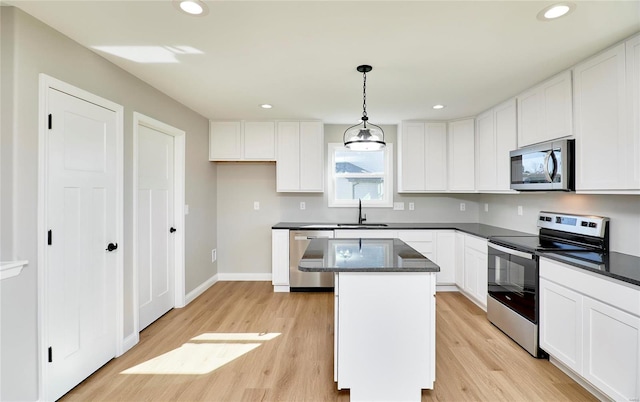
<point>364,136</point>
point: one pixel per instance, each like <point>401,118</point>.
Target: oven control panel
<point>588,225</point>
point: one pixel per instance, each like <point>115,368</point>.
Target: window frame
<point>386,202</point>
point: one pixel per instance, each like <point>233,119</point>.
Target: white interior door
<point>82,215</point>
<point>155,222</point>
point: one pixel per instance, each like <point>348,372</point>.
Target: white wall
<point>244,235</point>
<point>29,48</point>
<point>623,210</point>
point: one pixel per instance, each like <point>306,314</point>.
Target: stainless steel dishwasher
<point>306,281</point>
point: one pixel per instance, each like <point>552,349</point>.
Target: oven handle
<point>511,251</point>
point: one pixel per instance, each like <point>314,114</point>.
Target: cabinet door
<point>459,260</point>
<point>446,257</point>
<point>311,156</point>
<point>280,257</point>
<point>505,139</point>
<point>470,271</point>
<point>259,140</point>
<point>557,107</point>
<point>486,152</point>
<point>529,117</point>
<point>461,155</point>
<point>633,86</point>
<point>436,156</point>
<point>225,140</point>
<point>288,156</point>
<point>604,157</point>
<point>561,323</point>
<point>611,350</point>
<point>412,157</point>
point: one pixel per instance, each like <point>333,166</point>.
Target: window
<point>365,175</point>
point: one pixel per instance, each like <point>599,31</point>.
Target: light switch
<point>520,210</point>
<point>303,205</point>
<point>463,206</point>
<point>398,206</point>
<point>412,206</point>
<point>256,205</point>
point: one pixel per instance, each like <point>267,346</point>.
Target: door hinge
<point>49,237</point>
<point>50,354</point>
<point>50,121</point>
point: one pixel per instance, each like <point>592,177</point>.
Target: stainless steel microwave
<point>549,166</point>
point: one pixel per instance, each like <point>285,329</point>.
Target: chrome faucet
<point>361,218</point>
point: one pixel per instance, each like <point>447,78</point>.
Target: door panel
<point>80,276</point>
<point>155,253</point>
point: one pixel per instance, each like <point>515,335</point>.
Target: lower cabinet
<point>475,269</point>
<point>280,260</point>
<point>436,245</point>
<point>592,325</point>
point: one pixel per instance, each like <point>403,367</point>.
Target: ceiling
<point>301,56</point>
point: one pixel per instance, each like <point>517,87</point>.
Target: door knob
<point>111,246</point>
<point>172,230</point>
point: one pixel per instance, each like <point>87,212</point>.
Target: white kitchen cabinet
<point>280,260</point>
<point>259,140</point>
<point>446,257</point>
<point>242,141</point>
<point>607,135</point>
<point>459,260</point>
<point>545,111</point>
<point>461,155</point>
<point>365,234</point>
<point>561,328</point>
<point>422,161</point>
<point>436,245</point>
<point>225,140</point>
<point>591,324</point>
<point>475,269</point>
<point>300,156</point>
<point>495,138</point>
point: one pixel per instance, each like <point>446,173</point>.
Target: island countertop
<point>363,255</point>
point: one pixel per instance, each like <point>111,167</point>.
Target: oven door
<point>513,280</point>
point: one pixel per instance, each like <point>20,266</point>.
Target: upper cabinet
<point>461,155</point>
<point>545,112</point>
<point>242,141</point>
<point>607,108</point>
<point>495,138</point>
<point>300,156</point>
<point>422,161</point>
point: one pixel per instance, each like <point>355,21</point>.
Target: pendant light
<point>364,136</point>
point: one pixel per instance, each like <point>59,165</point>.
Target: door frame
<point>179,140</point>
<point>45,83</point>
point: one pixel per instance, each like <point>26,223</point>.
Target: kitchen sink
<point>345,225</point>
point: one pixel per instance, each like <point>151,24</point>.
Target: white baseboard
<point>191,296</point>
<point>244,277</point>
<point>281,289</point>
<point>447,288</point>
<point>129,342</point>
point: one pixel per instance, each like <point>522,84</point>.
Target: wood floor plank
<point>474,360</point>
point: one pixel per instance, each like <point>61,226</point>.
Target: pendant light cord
<point>364,98</point>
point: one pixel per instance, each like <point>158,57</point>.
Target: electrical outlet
<point>256,205</point>
<point>398,206</point>
<point>412,206</point>
<point>463,206</point>
<point>486,207</point>
<point>303,205</point>
<point>214,255</point>
<point>520,210</point>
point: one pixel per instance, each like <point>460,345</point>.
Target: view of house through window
<point>364,175</point>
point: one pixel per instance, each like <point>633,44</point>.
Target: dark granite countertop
<point>623,267</point>
<point>476,229</point>
<point>363,255</point>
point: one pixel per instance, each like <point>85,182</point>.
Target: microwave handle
<point>555,166</point>
<point>546,166</point>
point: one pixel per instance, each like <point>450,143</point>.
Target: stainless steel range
<point>513,286</point>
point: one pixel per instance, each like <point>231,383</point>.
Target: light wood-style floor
<point>475,361</point>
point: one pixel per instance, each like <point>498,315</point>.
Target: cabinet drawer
<point>416,235</point>
<point>610,291</point>
<point>476,243</point>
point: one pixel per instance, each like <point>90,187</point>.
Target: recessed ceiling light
<point>192,7</point>
<point>555,11</point>
<point>266,106</point>
<point>437,107</point>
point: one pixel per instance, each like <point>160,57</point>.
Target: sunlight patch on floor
<point>212,351</point>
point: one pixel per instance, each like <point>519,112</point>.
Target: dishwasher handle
<point>307,237</point>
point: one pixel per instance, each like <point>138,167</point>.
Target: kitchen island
<point>384,334</point>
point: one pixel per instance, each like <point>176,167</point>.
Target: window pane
<point>365,188</point>
<point>360,162</point>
